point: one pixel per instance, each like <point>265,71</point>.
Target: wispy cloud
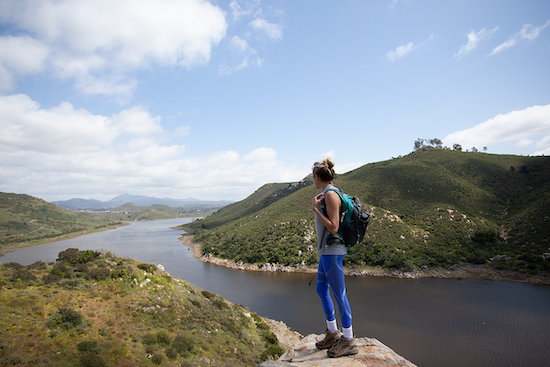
<point>272,31</point>
<point>474,38</point>
<point>242,54</point>
<point>402,51</point>
<point>530,126</point>
<point>243,47</point>
<point>528,32</point>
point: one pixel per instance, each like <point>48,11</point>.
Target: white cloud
<point>243,9</point>
<point>22,54</point>
<point>474,38</point>
<point>261,154</point>
<point>527,32</point>
<point>83,40</point>
<point>64,152</point>
<point>522,143</point>
<point>242,54</point>
<point>273,31</point>
<point>243,48</point>
<point>400,51</point>
<point>19,55</point>
<point>522,127</point>
<point>543,146</point>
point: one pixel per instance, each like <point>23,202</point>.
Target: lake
<point>431,322</point>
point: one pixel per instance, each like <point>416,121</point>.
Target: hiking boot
<point>343,347</point>
<point>330,339</point>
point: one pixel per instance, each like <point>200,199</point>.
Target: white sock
<point>348,332</point>
<point>332,326</point>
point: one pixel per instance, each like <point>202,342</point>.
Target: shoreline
<point>67,236</point>
<point>456,271</point>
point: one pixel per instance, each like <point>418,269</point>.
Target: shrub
<point>70,255</point>
<point>14,265</point>
<point>171,354</point>
<point>196,303</point>
<point>157,359</point>
<point>220,303</point>
<point>88,346</point>
<point>65,318</point>
<point>148,339</point>
<point>100,273</point>
<point>37,265</point>
<point>208,295</point>
<point>22,274</point>
<point>57,272</point>
<point>273,349</point>
<point>183,344</point>
<point>74,256</point>
<point>82,268</point>
<point>88,255</point>
<point>120,272</point>
<point>147,267</point>
<point>92,360</point>
<point>70,316</point>
<point>163,337</point>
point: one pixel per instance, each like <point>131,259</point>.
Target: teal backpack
<point>353,220</point>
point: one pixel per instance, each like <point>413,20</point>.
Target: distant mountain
<point>73,204</point>
<point>138,200</point>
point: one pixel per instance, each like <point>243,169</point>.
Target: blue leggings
<point>331,275</point>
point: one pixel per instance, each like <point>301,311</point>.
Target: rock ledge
<point>372,353</point>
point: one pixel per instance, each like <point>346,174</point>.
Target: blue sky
<point>213,99</point>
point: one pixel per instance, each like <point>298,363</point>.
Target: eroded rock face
<point>372,353</point>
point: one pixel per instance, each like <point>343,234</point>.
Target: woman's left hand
<point>317,200</point>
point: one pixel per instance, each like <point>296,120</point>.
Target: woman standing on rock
<point>330,274</point>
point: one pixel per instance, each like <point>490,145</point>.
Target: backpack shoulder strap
<point>336,190</point>
<point>347,206</point>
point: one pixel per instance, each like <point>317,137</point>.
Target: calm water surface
<point>431,322</point>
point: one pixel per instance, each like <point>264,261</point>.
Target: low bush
<point>183,344</point>
<point>147,267</point>
<point>88,346</point>
<point>92,360</point>
<point>100,273</point>
<point>171,353</point>
<point>157,359</point>
<point>64,318</point>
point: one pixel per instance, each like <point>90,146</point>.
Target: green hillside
<point>24,218</point>
<point>262,198</point>
<point>93,310</point>
<point>431,208</point>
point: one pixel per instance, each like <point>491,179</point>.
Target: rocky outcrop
<point>372,353</point>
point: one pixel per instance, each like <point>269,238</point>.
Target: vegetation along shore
<point>457,271</point>
<point>435,212</point>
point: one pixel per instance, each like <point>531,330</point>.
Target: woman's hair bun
<point>329,163</point>
<point>324,169</point>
